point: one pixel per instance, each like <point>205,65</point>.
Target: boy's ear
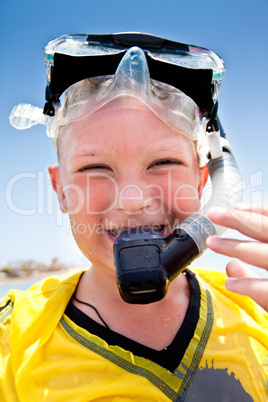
<point>203,178</point>
<point>57,186</point>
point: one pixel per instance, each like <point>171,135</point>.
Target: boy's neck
<point>137,322</point>
<point>102,288</point>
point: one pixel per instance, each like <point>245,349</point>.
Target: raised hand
<point>252,221</point>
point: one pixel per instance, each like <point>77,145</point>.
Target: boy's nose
<point>132,199</point>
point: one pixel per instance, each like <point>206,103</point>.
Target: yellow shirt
<point>44,356</point>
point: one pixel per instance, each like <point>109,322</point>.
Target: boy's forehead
<point>123,118</point>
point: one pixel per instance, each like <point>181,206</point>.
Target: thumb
<point>255,288</point>
<point>245,282</point>
<point>236,269</point>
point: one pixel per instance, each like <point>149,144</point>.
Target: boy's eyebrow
<point>82,155</point>
<point>162,148</point>
<point>86,153</point>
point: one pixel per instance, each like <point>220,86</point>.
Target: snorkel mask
<point>180,84</point>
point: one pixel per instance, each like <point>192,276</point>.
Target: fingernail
<point>243,206</point>
<point>230,283</point>
<point>216,208</point>
<point>212,240</point>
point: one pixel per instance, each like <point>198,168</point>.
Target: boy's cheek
<point>90,200</point>
<point>183,200</point>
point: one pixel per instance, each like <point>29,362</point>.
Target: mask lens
<point>132,79</point>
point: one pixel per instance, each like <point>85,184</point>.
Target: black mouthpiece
<point>146,263</point>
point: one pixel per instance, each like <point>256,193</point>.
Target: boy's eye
<point>93,167</point>
<point>164,162</point>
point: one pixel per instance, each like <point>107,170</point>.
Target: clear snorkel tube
<point>145,262</point>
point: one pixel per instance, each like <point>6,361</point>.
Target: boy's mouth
<point>155,228</point>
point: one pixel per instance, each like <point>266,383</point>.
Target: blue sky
<point>237,30</point>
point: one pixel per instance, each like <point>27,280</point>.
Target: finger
<point>250,224</point>
<point>251,252</point>
<point>236,269</point>
<point>256,288</point>
<point>256,208</point>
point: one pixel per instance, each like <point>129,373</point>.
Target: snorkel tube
<point>146,263</point>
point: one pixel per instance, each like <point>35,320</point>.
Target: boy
<point>130,159</point>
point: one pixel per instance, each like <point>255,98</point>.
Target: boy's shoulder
<point>49,294</point>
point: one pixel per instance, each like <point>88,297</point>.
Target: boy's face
<point>121,168</point>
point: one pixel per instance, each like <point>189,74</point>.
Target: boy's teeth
<point>117,232</point>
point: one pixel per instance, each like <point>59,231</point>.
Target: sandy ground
<point>40,275</point>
